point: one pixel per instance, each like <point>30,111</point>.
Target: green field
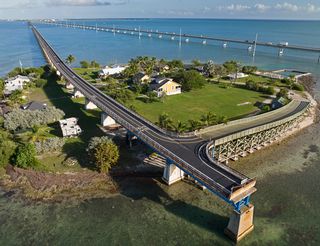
<point>191,105</point>
<point>89,74</point>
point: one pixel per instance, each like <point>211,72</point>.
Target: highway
<point>183,151</point>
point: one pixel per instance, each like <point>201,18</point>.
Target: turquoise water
<point>148,212</point>
<point>19,43</point>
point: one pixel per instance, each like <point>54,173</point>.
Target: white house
<point>70,127</point>
<point>15,83</point>
<point>115,69</point>
<point>237,75</point>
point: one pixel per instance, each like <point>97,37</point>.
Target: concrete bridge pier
<point>240,223</point>
<point>89,104</point>
<point>172,173</point>
<point>77,93</point>
<point>68,85</point>
<point>106,120</point>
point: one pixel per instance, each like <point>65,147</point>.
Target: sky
<point>242,9</point>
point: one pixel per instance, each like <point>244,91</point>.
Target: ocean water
<point>18,42</point>
<point>148,212</point>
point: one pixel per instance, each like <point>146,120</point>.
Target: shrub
<point>298,87</point>
<point>103,152</point>
<point>25,156</point>
<point>49,145</point>
<point>26,119</point>
<point>40,83</point>
<point>7,148</point>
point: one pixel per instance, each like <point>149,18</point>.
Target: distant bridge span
<point>182,153</point>
<point>185,36</point>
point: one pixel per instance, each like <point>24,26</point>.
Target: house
<point>15,83</point>
<point>162,68</point>
<point>141,78</point>
<point>165,86</point>
<point>115,69</point>
<point>237,76</point>
<point>70,127</point>
<point>34,106</point>
<point>278,103</point>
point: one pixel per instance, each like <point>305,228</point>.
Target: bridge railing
<point>210,183</point>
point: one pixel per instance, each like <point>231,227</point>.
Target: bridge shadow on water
<point>87,119</point>
<point>148,188</point>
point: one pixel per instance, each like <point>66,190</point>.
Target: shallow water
<point>148,212</point>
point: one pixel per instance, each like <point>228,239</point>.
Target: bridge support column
<point>69,85</point>
<point>106,120</point>
<point>240,223</point>
<point>77,93</point>
<point>89,104</point>
<point>172,173</point>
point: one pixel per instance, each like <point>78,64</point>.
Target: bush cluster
<point>49,145</point>
<point>20,119</point>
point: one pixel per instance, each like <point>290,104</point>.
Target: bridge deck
<point>191,36</point>
<point>183,151</point>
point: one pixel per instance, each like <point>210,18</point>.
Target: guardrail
<point>211,184</point>
<point>246,120</point>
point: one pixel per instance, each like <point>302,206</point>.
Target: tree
<point>94,64</point>
<point>266,108</point>
<point>176,64</point>
<point>190,79</point>
<point>209,68</point>
<point>282,93</point>
<point>40,83</point>
<point>179,127</point>
<point>7,148</point>
<point>25,156</point>
<point>194,125</point>
<point>103,152</point>
<point>220,71</point>
<point>270,90</point>
<point>165,121</point>
<point>70,59</point>
<point>209,119</point>
<point>16,97</point>
<point>249,69</point>
<point>84,64</point>
<point>196,62</point>
<point>1,88</point>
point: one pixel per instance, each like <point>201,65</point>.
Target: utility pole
<point>255,46</point>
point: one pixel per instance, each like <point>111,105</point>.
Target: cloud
<point>49,3</point>
<point>287,7</point>
<point>261,7</point>
<point>311,8</point>
<point>235,7</point>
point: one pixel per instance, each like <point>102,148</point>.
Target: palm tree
<point>70,59</point>
<point>195,125</point>
<point>179,127</point>
<point>209,119</point>
<point>164,121</point>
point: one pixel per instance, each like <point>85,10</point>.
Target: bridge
<point>187,38</point>
<point>185,155</point>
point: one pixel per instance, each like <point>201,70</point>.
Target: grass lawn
<point>257,79</point>
<point>191,105</point>
<point>89,74</point>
